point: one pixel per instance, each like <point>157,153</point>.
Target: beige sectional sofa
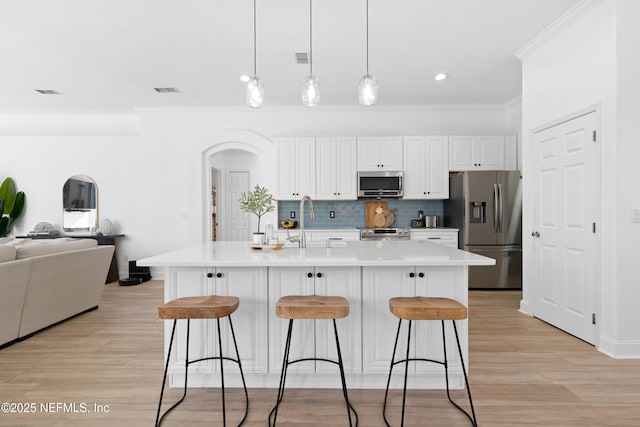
<point>43,282</point>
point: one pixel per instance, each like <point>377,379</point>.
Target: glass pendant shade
<point>368,90</point>
<point>255,92</point>
<point>310,91</point>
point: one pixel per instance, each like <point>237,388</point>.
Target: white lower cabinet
<point>315,338</point>
<point>250,286</point>
<point>379,326</point>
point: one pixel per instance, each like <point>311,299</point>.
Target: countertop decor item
<point>258,202</point>
<point>370,213</point>
<point>106,227</point>
<point>288,224</point>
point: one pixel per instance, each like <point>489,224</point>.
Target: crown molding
<point>559,25</point>
<point>325,108</point>
<point>69,124</point>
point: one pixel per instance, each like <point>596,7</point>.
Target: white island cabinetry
<point>379,284</point>
<point>247,283</point>
<point>315,338</point>
<point>367,273</point>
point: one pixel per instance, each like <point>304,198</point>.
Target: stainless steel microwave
<point>380,184</point>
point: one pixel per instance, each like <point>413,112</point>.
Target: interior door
<point>238,182</point>
<point>564,273</point>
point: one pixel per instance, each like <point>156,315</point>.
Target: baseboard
<point>619,349</point>
<point>524,307</point>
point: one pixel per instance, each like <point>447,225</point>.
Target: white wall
<point>627,176</point>
<point>570,71</point>
<point>152,169</point>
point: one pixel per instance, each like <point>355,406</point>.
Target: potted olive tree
<point>258,202</point>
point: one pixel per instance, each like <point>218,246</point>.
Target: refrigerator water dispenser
<point>478,212</point>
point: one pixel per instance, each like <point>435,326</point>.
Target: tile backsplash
<point>350,214</point>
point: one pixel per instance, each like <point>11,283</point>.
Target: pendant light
<point>368,87</point>
<point>255,88</point>
<point>310,86</point>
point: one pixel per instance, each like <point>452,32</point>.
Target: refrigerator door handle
<point>500,209</point>
<point>495,207</point>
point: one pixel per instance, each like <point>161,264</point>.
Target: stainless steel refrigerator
<point>486,207</point>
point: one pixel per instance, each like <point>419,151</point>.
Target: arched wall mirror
<point>80,204</point>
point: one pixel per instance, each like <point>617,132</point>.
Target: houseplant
<point>258,202</point>
<point>11,206</point>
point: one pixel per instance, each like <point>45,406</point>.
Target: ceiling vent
<point>166,90</point>
<point>48,92</point>
<point>302,58</point>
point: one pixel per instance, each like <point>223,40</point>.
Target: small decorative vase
<point>106,227</point>
<point>258,238</point>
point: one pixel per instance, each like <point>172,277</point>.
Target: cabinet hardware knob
<point>319,274</point>
<point>412,275</point>
<point>309,274</point>
<point>420,274</point>
<point>209,275</point>
<point>219,275</point>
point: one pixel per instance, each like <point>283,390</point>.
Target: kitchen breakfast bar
<point>366,273</point>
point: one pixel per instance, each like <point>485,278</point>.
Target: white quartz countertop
<point>344,253</point>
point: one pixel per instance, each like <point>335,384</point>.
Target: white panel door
<point>564,183</point>
<point>238,182</point>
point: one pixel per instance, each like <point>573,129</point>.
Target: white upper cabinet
<point>485,152</point>
<point>426,167</point>
<point>377,153</point>
<point>296,167</point>
<point>336,165</point>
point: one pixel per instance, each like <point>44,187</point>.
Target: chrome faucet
<point>312,214</point>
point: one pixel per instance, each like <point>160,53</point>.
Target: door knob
<point>535,234</point>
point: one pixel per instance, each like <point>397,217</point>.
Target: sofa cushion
<point>7,253</point>
<point>45,247</point>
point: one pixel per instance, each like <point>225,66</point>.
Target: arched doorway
<point>223,154</point>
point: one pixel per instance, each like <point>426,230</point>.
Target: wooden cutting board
<point>370,213</point>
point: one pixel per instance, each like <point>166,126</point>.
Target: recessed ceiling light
<point>245,78</point>
<point>166,90</point>
<point>441,76</point>
<point>48,92</point>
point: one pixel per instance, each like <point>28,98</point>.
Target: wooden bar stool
<point>423,308</point>
<point>205,307</point>
<point>311,307</point>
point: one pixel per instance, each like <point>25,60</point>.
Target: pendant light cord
<point>255,74</point>
<point>367,36</point>
<point>310,37</point>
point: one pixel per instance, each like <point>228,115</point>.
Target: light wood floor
<point>523,372</point>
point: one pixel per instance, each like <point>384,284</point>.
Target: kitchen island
<point>366,273</point>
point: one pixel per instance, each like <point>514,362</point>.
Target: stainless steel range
<point>384,234</point>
